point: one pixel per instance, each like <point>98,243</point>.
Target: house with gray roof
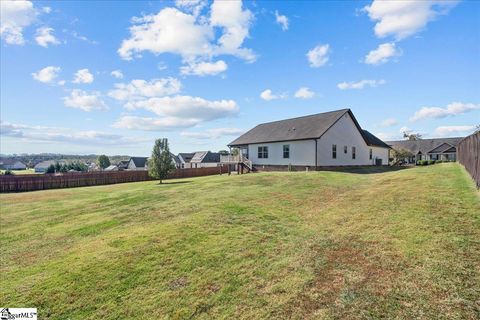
<point>199,159</point>
<point>326,139</point>
<point>137,163</point>
<point>428,149</point>
<point>11,164</point>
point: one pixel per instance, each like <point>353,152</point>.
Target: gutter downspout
<point>316,154</point>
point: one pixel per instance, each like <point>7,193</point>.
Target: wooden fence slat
<point>31,182</point>
<point>468,154</point>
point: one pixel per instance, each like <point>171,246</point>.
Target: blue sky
<point>106,77</point>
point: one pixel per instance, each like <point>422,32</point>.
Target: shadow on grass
<point>368,170</point>
<point>166,182</point>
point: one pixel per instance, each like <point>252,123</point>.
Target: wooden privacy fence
<point>468,154</point>
<point>31,182</point>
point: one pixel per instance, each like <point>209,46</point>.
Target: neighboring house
<point>41,167</point>
<point>138,163</point>
<point>12,164</point>
<point>111,168</point>
<point>185,159</point>
<point>122,165</point>
<point>176,161</point>
<point>93,167</point>
<point>321,140</point>
<point>428,149</point>
<point>205,159</point>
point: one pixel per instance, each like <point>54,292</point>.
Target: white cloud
<point>452,109</point>
<point>382,54</point>
<point>213,133</point>
<point>235,23</point>
<point>14,17</point>
<point>83,76</point>
<point>304,93</point>
<point>281,20</point>
<point>139,89</point>
<point>268,95</point>
<point>318,56</point>
<point>187,107</point>
<point>193,6</point>
<point>44,37</point>
<point>448,131</point>
<point>360,84</point>
<point>386,136</point>
<point>117,74</point>
<point>192,37</point>
<point>47,74</point>
<point>82,100</point>
<point>168,31</point>
<point>204,68</point>
<point>404,129</point>
<point>65,135</point>
<point>405,18</point>
<point>154,124</point>
<point>46,9</point>
<point>388,122</point>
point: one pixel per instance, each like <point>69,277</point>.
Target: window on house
<point>286,151</point>
<point>262,152</point>
<point>354,150</point>
<point>334,151</point>
<point>345,149</point>
<point>370,155</point>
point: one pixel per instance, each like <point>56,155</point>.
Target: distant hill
<point>32,159</point>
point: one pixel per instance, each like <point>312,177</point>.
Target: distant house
<point>122,165</point>
<point>185,159</point>
<point>428,149</point>
<point>204,159</point>
<point>326,139</point>
<point>12,164</point>
<point>111,168</point>
<point>93,167</point>
<point>138,163</point>
<point>42,167</point>
<point>176,161</point>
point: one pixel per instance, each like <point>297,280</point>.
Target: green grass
<point>20,172</point>
<point>320,245</point>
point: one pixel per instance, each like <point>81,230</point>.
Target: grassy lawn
<point>318,245</point>
<point>27,171</point>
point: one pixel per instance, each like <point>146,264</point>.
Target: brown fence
<point>30,182</point>
<point>468,154</point>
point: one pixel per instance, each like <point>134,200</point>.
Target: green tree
<point>103,161</point>
<point>160,164</point>
<point>50,169</point>
<point>400,154</point>
<point>58,166</point>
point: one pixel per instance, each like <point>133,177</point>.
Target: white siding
<point>345,133</point>
<point>302,153</point>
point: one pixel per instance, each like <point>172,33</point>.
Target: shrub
<point>431,161</point>
<point>8,172</point>
<point>423,162</point>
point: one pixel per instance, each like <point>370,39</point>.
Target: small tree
<point>160,164</point>
<point>58,166</point>
<point>400,154</point>
<point>103,161</point>
<point>412,136</point>
<point>50,169</point>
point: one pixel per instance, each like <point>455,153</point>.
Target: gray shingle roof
<point>205,157</point>
<point>302,128</point>
<point>139,162</point>
<point>374,141</point>
<point>423,145</point>
<point>187,157</point>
